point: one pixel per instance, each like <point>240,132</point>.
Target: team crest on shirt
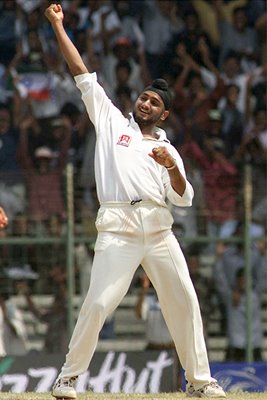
<point>124,140</point>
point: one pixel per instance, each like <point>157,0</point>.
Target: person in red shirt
<point>220,178</point>
<point>3,218</point>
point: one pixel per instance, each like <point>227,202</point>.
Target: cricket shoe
<point>209,391</point>
<point>64,388</point>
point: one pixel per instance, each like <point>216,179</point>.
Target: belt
<point>131,203</point>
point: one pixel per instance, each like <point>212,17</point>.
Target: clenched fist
<point>54,13</point>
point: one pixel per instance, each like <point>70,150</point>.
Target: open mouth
<point>143,111</point>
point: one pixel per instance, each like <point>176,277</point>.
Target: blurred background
<point>213,55</point>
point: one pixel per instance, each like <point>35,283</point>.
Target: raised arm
<point>71,55</point>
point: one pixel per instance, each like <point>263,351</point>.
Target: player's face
<point>148,109</point>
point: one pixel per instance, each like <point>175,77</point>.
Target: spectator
<point>160,21</point>
<point>203,284</point>
<point>103,23</point>
<point>239,37</point>
<point>206,11</point>
<point>191,37</point>
<point>193,100</point>
<point>55,317</point>
<point>253,151</point>
<point>12,330</point>
<point>21,254</point>
<point>13,333</point>
<point>3,218</point>
<point>12,188</point>
<point>232,121</point>
<point>257,19</point>
<point>123,52</point>
<point>237,322</point>
<point>148,308</point>
<point>231,258</point>
<point>130,28</point>
<point>220,178</point>
<point>157,333</point>
<point>44,181</point>
<point>7,31</point>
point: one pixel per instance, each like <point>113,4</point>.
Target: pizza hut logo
<point>124,140</point>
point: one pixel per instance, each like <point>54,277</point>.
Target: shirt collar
<point>162,137</point>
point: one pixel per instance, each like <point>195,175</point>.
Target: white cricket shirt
<point>124,171</point>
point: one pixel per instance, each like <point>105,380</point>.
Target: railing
<point>68,241</point>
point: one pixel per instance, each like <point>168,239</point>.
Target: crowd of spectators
<point>213,55</point>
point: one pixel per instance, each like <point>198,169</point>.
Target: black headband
<point>160,86</point>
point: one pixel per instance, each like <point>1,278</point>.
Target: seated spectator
<point>13,332</point>
<point>55,318</point>
<point>21,254</point>
<point>13,336</point>
<point>237,321</point>
<point>203,285</point>
<point>12,187</point>
<point>148,309</point>
<point>231,258</point>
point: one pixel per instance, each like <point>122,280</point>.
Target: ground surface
<point>108,396</point>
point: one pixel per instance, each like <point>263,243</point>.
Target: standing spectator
<point>160,21</point>
<point>232,121</point>
<point>238,36</point>
<point>193,98</point>
<point>122,51</point>
<point>253,150</point>
<point>206,11</point>
<point>220,178</point>
<point>44,178</point>
<point>7,31</point>
<point>103,23</point>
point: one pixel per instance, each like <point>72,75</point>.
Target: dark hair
<point>231,54</point>
<point>124,64</point>
<point>161,87</point>
<point>240,9</point>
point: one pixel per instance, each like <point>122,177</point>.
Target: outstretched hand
<point>54,13</point>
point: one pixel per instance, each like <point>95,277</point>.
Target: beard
<point>144,121</point>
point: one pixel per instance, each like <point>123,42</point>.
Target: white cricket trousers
<point>130,235</point>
